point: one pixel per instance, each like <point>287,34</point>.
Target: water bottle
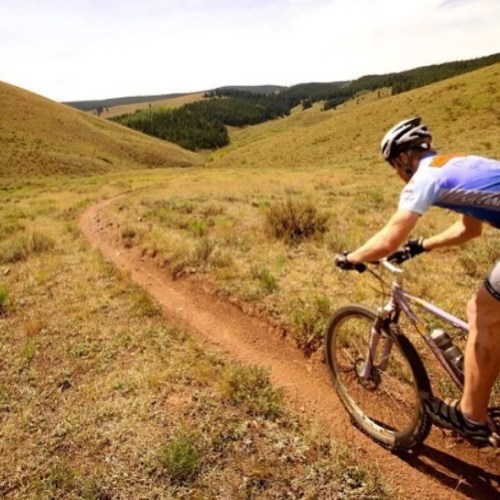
<point>451,352</point>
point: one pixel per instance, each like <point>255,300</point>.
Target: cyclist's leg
<point>482,353</point>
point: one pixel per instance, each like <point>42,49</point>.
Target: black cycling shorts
<point>492,281</point>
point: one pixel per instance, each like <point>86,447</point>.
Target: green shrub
<point>293,220</point>
<point>180,457</point>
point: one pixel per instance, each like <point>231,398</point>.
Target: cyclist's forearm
<point>456,234</point>
<point>388,239</point>
<point>377,247</point>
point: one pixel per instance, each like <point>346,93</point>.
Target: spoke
<point>394,398</point>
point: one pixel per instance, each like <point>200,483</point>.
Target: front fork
<point>365,371</point>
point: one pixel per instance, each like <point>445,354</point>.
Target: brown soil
<point>443,468</point>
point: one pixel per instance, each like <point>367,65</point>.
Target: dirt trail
<point>443,469</point>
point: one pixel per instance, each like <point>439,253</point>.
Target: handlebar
<point>390,266</point>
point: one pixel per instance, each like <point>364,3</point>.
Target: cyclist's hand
<point>414,247</point>
<point>399,257</point>
<point>411,249</point>
<point>342,262</point>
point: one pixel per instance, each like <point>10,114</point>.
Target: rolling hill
<point>41,137</point>
<point>169,102</point>
<point>463,113</point>
<point>120,101</point>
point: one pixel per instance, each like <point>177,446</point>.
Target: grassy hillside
<point>40,137</point>
<point>171,102</point>
<point>218,223</point>
<point>463,113</point>
<point>242,108</point>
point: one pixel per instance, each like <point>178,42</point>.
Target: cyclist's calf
<point>482,354</point>
<point>483,311</point>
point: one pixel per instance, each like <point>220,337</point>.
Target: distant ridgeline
<point>201,125</point>
<point>117,101</point>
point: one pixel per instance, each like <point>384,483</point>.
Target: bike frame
<point>401,300</point>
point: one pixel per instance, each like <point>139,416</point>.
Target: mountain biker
<point>469,185</point>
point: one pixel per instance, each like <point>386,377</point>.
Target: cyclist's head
<point>409,137</point>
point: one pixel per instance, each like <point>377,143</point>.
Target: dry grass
<point>332,159</point>
<point>100,397</point>
<point>40,137</point>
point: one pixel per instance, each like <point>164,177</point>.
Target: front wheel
<point>382,388</point>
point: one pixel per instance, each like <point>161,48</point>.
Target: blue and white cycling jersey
<point>468,185</point>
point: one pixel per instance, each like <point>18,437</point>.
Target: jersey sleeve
<point>419,194</point>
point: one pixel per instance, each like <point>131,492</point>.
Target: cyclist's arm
<point>388,239</point>
<point>463,230</point>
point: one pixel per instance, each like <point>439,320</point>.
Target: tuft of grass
<point>204,249</point>
<point>14,250</point>
<point>128,232</point>
<point>19,248</point>
<point>197,227</point>
<point>265,278</point>
<point>60,480</point>
<point>180,457</point>
<point>144,305</point>
<point>309,317</point>
<point>5,398</point>
<point>251,387</point>
<point>41,242</point>
<point>128,235</point>
<point>294,219</point>
<point>4,295</point>
<point>28,351</point>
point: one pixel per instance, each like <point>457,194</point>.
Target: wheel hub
<point>371,382</point>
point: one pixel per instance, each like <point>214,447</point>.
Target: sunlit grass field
<point>213,223</point>
<point>100,396</point>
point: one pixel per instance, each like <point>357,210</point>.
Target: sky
<point>95,49</point>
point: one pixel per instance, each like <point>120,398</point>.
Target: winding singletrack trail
<point>443,468</point>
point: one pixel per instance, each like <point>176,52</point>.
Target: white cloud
<point>93,49</point>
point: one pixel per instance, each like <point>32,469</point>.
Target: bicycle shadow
<point>474,481</point>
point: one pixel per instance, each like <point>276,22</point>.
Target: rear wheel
<point>386,401</point>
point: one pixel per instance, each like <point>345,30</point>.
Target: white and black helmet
<point>403,136</point>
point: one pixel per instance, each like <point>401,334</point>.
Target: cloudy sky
<point>91,49</point>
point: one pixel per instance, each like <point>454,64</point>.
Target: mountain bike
<point>378,373</point>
